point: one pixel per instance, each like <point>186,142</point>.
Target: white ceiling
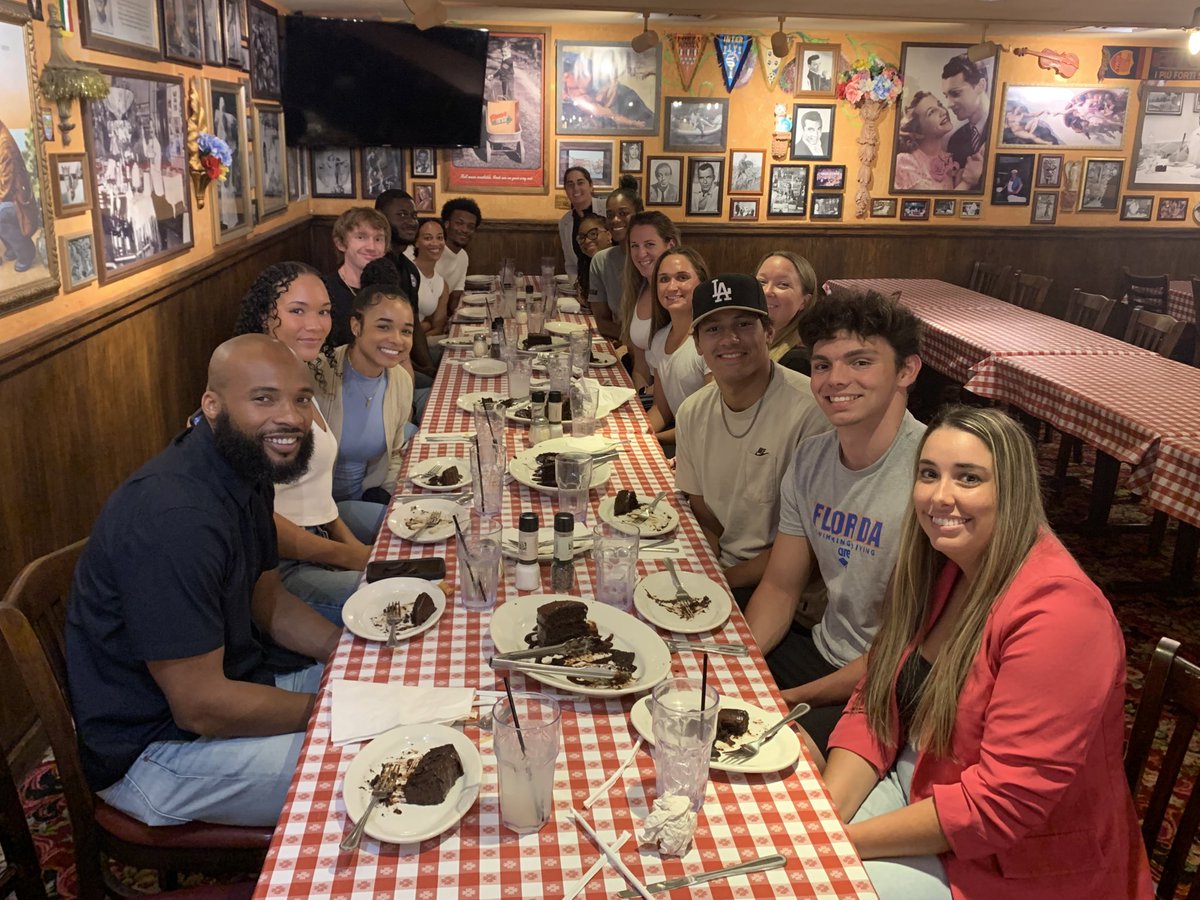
<point>1155,19</point>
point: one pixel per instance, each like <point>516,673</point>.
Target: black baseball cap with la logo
<point>733,291</point>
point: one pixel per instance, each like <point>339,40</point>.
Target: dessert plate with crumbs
<point>394,754</point>
<point>654,597</point>
<point>662,521</point>
<point>365,613</point>
<point>425,521</point>
<point>438,474</point>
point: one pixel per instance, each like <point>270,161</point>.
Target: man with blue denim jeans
<point>178,620</point>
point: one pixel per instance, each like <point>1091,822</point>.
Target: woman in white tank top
<point>650,235</point>
<point>434,294</point>
<point>323,545</point>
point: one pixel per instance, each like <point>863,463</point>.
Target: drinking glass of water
<point>573,474</point>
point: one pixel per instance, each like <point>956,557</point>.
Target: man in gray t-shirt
<point>843,502</point>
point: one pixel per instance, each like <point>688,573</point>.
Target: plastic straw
<point>466,557</point>
<point>512,706</point>
<point>704,683</point>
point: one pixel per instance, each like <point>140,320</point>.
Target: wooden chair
<point>33,627</point>
<point>1146,291</point>
<point>1170,680</point>
<point>1090,311</point>
<point>1029,291</point>
<point>989,278</point>
<point>1154,331</point>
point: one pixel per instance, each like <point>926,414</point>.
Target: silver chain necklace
<point>757,410</point>
<point>368,399</point>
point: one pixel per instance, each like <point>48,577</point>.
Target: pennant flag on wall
<point>732,52</point>
<point>770,62</point>
<point>688,49</point>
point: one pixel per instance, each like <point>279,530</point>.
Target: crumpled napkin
<point>670,825</point>
<point>364,709</point>
<point>610,396</point>
<point>567,305</point>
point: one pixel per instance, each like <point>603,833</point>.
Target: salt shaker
<point>479,344</point>
<point>529,577</point>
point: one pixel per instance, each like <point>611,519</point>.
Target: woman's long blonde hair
<point>1020,519</point>
<point>633,282</point>
<point>788,335</point>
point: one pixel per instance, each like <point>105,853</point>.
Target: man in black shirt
<point>177,609</point>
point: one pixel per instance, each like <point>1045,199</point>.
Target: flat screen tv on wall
<point>356,83</point>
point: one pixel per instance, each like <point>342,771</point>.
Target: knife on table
<point>762,864</point>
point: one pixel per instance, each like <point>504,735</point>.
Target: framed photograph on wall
<point>424,198</point>
<point>746,171</point>
<point>183,31</point>
<point>817,68</point>
<point>511,156</point>
<point>1101,184</point>
<point>72,187</point>
<point>1137,208</point>
<point>812,131</point>
<point>382,170</point>
<point>606,87</point>
<point>1045,208</point>
<point>423,162</point>
<point>742,210</point>
<point>829,178</point>
<point>264,51</point>
<point>949,156</point>
<point>212,33</point>
<point>1172,209</point>
<point>631,156</point>
<point>826,206</point>
<point>1064,116</point>
<point>142,214</point>
<point>883,207</point>
<point>914,210</point>
<point>1166,149</point>
<point>332,172</point>
<point>945,206</point>
<point>231,210</point>
<point>595,156</point>
<point>706,180</point>
<point>270,164</point>
<point>696,124</point>
<point>126,29</point>
<point>970,209</point>
<point>665,174</point>
<point>788,192</point>
<point>77,255</point>
<point>235,32</point>
<point>31,272</point>
<point>294,167</point>
<point>1163,103</point>
<point>1049,170</point>
<point>1012,180</point>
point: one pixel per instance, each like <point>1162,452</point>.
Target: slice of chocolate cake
<point>625,503</point>
<point>732,723</point>
<point>423,608</point>
<point>433,777</point>
<point>561,620</point>
<point>447,477</point>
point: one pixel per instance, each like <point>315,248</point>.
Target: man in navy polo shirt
<point>178,617</point>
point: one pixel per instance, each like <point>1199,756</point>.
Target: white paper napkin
<point>610,396</point>
<point>567,305</point>
<point>363,709</point>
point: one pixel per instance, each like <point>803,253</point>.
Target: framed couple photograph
<point>743,210</point>
<point>696,124</point>
<point>1064,116</point>
<point>789,191</point>
<point>595,156</point>
<point>706,178</point>
<point>232,214</point>
<point>812,131</point>
<point>72,187</point>
<point>943,121</point>
<point>665,186</point>
<point>607,87</point>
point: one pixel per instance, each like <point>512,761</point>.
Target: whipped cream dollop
<point>669,826</point>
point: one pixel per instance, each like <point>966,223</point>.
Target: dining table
<point>744,815</point>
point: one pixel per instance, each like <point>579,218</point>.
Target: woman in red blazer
<point>981,755</point>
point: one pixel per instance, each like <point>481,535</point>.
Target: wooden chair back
<point>989,278</point>
<point>1029,291</point>
<point>1153,331</point>
<point>1090,311</point>
<point>1146,291</point>
<point>1171,682</point>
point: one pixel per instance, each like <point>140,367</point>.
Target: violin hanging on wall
<point>1065,64</point>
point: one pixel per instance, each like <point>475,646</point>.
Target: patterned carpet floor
<point>1145,616</point>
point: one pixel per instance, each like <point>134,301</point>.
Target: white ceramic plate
<point>602,359</point>
<point>408,823</point>
<point>582,539</point>
<point>476,298</point>
<point>466,402</point>
<point>470,314</point>
<point>524,464</point>
<point>697,585</point>
<point>662,521</point>
<point>485,368</point>
<point>782,751</point>
<point>364,611</point>
<point>406,518</point>
<point>518,617</point>
<point>418,474</point>
<point>563,279</point>
<point>565,328</point>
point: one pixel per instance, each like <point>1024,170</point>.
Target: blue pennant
<point>732,52</point>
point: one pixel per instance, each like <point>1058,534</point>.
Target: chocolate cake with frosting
<point>560,620</point>
<point>433,777</point>
<point>732,723</point>
<point>625,503</point>
<point>423,608</point>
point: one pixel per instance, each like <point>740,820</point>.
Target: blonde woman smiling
<point>650,235</point>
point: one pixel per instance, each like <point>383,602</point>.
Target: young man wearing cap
<point>735,437</point>
<point>843,502</point>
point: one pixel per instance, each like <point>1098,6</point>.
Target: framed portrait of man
<point>1012,180</point>
<point>943,129</point>
<point>665,174</point>
<point>812,131</point>
<point>1045,208</point>
<point>424,162</point>
<point>706,178</point>
<point>817,69</point>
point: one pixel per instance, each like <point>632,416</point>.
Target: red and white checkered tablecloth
<point>1175,482</point>
<point>1123,406</point>
<point>744,816</point>
<point>963,328</point>
<point>1179,301</point>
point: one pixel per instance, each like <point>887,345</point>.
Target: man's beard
<point>249,459</point>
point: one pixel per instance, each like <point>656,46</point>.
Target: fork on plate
<point>434,518</point>
<point>393,622</point>
<point>746,752</point>
<point>644,513</point>
<point>680,594</point>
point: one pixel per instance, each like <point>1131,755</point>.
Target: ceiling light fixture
<point>647,39</point>
<point>1193,32</point>
<point>780,42</point>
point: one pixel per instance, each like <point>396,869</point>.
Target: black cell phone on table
<point>432,568</point>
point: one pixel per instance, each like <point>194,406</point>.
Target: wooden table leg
<point>1183,563</point>
<point>1104,488</point>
